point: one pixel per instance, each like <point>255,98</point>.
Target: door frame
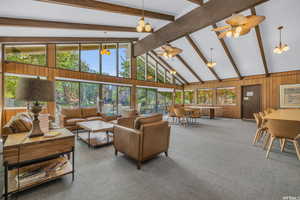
<point>242,94</point>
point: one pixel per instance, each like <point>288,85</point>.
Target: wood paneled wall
<point>270,89</point>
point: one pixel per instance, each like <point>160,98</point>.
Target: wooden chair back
<point>283,128</point>
<point>179,112</point>
<point>258,120</point>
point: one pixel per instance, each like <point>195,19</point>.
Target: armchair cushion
<point>93,118</point>
<point>148,119</point>
<point>89,112</point>
<point>71,112</point>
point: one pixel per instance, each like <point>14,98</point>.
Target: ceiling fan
<point>239,25</point>
<point>169,51</point>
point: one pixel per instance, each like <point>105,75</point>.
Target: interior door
<point>251,100</point>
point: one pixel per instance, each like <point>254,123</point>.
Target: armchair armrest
<point>107,118</point>
<point>128,141</point>
<point>63,120</point>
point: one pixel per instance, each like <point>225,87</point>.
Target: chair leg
<point>296,145</point>
<point>256,136</point>
<point>270,146</point>
<point>138,165</point>
<point>267,140</point>
<point>282,144</point>
<point>166,153</point>
<point>116,152</point>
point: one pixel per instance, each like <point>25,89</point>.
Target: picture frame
<point>290,96</point>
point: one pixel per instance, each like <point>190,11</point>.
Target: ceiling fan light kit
<point>168,51</point>
<point>142,25</point>
<point>211,63</point>
<point>281,47</point>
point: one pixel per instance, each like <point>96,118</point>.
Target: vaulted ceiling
<point>244,52</point>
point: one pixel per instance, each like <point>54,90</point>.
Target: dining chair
<point>172,114</point>
<point>261,128</point>
<point>267,135</point>
<point>284,130</point>
<point>181,115</point>
<point>195,115</point>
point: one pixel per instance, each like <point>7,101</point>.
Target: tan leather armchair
<point>149,138</point>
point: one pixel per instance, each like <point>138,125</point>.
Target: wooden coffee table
<point>98,133</point>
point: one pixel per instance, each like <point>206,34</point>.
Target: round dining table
<point>284,114</point>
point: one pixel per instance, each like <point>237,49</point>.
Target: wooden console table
<point>21,153</point>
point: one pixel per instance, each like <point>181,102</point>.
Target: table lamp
<point>35,90</point>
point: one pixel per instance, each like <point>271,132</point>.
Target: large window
<point>160,74</point>
<point>151,69</point>
<point>123,98</point>
<point>178,97</point>
<point>124,60</point>
<point>146,100</point>
<point>89,93</point>
<point>67,56</point>
<point>169,78</point>
<point>10,86</point>
<point>141,67</point>
<point>188,97</point>
<point>164,99</point>
<point>205,96</point>
<point>28,54</point>
<point>226,96</point>
<point>109,61</point>
<point>67,94</point>
<point>109,96</point>
<point>90,58</point>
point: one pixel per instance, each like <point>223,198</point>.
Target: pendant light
<point>142,25</point>
<point>104,50</point>
<point>280,48</point>
<point>173,72</point>
<point>211,64</point>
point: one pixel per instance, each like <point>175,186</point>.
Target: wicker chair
<point>284,130</point>
<point>181,115</point>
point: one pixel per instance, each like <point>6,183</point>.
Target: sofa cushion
<point>89,112</point>
<point>71,112</point>
<point>93,118</point>
<point>73,121</point>
<point>147,119</point>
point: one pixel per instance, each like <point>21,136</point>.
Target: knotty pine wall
<point>270,89</point>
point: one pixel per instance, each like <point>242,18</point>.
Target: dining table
<point>284,114</point>
<point>211,109</point>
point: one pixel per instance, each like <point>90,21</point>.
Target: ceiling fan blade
<point>236,20</point>
<point>222,35</point>
<point>254,20</point>
<point>221,28</point>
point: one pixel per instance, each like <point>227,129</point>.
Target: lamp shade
<point>32,89</point>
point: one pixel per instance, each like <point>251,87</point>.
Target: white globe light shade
<point>139,28</point>
<point>148,27</point>
<point>142,22</point>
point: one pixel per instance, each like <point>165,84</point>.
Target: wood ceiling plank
<point>62,39</point>
<point>5,21</point>
<point>201,17</point>
<point>260,44</point>
<point>155,57</point>
<point>189,68</point>
<point>109,7</point>
<point>200,54</point>
<point>223,43</point>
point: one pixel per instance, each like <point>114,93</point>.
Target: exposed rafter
<point>62,39</point>
<point>229,55</point>
<point>200,54</point>
<point>189,68</point>
<point>199,2</point>
<point>5,21</point>
<point>167,67</point>
<point>199,18</point>
<point>260,44</point>
<point>109,7</point>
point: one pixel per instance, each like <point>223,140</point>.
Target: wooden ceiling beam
<point>62,39</point>
<point>153,56</point>
<point>109,7</point>
<point>260,44</point>
<point>169,66</point>
<point>229,55</point>
<point>199,2</point>
<point>189,68</point>
<point>201,17</point>
<point>5,21</point>
<point>200,54</point>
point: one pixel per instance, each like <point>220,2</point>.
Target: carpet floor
<point>213,161</point>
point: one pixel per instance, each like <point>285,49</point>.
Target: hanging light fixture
<point>211,64</point>
<point>173,72</point>
<point>280,48</point>
<point>142,25</point>
<point>104,50</point>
